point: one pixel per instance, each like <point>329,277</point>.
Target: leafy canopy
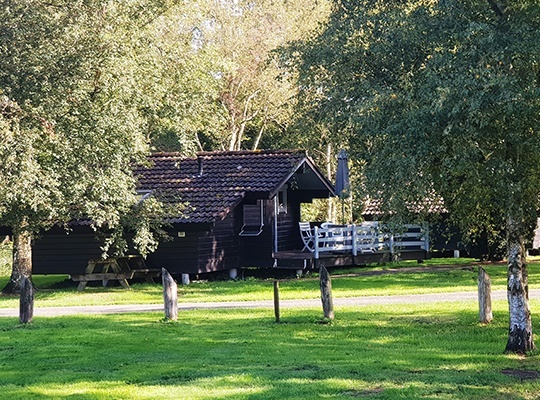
<point>434,96</point>
<point>71,125</point>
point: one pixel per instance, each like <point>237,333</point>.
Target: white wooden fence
<point>368,237</point>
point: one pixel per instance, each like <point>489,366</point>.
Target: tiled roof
<point>433,205</point>
<point>215,182</point>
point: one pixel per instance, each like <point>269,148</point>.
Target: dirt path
<point>338,302</point>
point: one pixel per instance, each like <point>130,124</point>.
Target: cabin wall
<point>288,231</point>
<point>219,248</point>
<point>256,251</point>
<point>57,252</point>
<point>177,255</point>
<point>199,251</point>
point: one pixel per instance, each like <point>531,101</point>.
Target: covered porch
<point>354,244</point>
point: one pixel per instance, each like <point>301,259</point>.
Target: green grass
<point>405,351</point>
<point>428,351</point>
<point>58,290</point>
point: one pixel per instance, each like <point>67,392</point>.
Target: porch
<point>341,245</point>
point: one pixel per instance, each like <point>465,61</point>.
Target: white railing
<point>368,237</point>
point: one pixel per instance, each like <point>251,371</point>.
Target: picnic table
<point>115,268</point>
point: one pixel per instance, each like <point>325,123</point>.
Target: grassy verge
<point>60,291</point>
<point>430,351</point>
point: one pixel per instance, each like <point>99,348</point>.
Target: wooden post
<point>326,292</point>
<point>170,295</point>
<point>484,296</point>
<point>276,301</point>
<point>185,279</point>
<point>26,308</point>
<point>316,242</point>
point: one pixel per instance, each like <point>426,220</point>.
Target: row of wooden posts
<point>171,306</point>
<point>170,297</point>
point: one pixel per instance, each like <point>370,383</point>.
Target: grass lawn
<point>428,351</point>
<point>406,351</point>
<point>58,290</point>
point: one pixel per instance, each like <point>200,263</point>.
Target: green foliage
<point>224,85</point>
<point>5,259</point>
<point>71,120</point>
<point>437,98</point>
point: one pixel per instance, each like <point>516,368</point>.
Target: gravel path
<point>349,301</point>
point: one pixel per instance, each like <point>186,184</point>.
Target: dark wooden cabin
<point>241,207</point>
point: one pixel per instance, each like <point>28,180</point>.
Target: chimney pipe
<point>200,165</point>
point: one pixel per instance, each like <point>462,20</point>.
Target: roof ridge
<point>177,154</point>
<point>249,152</point>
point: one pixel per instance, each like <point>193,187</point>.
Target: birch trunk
<point>520,336</point>
<point>22,261</point>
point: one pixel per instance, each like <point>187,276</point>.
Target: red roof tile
<point>433,205</point>
<point>215,182</point>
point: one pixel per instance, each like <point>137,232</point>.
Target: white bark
<point>520,336</point>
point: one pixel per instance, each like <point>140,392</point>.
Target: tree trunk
<point>330,209</point>
<point>22,261</point>
<point>520,336</point>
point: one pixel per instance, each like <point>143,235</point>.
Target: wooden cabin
<point>241,208</point>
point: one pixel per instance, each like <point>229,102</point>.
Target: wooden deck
<point>356,245</point>
<point>297,259</point>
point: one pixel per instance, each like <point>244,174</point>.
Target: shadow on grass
<point>380,353</point>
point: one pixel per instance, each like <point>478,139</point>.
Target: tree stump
<point>484,296</point>
<point>170,295</point>
<point>26,308</point>
<point>326,293</point>
<point>276,301</point>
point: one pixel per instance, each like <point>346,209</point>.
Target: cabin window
<point>253,219</point>
<point>282,200</point>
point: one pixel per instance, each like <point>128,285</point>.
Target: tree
<point>70,125</point>
<point>440,98</point>
<point>235,95</point>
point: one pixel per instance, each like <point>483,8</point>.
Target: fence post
<point>426,237</point>
<point>26,304</point>
<point>484,296</point>
<point>354,234</point>
<point>276,301</point>
<point>316,241</point>
<point>185,279</point>
<point>170,295</point>
<point>326,292</point>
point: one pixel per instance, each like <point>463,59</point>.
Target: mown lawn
<point>427,351</point>
<point>60,291</point>
<point>405,351</point>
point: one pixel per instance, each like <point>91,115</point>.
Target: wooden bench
<point>119,268</point>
